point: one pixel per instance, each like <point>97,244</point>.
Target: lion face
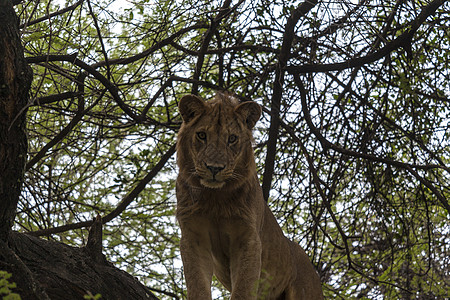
<point>214,142</point>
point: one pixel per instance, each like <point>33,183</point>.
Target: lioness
<point>227,228</point>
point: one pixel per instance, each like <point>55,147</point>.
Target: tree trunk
<point>15,80</point>
<point>42,269</point>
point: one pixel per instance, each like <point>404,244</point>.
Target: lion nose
<point>214,169</point>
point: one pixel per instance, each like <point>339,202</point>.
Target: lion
<point>227,229</point>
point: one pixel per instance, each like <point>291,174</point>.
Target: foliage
<point>90,296</point>
<point>6,287</point>
<point>361,164</point>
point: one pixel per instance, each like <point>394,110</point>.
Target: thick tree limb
<point>285,52</point>
<point>69,273</point>
<point>28,282</point>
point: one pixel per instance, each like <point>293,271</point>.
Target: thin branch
<point>54,98</point>
<point>49,16</point>
<point>156,95</point>
<point>91,70</point>
<point>317,183</point>
<point>328,145</point>
<point>220,60</point>
<point>393,124</point>
<point>224,11</point>
<point>122,205</point>
<point>149,51</point>
<point>403,40</point>
<point>77,118</point>
<point>167,293</point>
<point>222,50</point>
<point>140,186</point>
<point>206,84</point>
<point>99,34</point>
<point>169,82</point>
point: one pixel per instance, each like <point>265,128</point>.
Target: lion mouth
<point>212,183</point>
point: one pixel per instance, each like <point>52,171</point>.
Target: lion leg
<point>245,268</point>
<point>306,285</point>
<point>301,292</point>
<point>197,263</point>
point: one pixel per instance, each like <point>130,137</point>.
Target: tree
<point>352,148</point>
<point>64,272</point>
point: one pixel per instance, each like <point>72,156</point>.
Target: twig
<point>91,70</point>
<point>120,208</point>
<point>328,145</point>
<point>402,40</point>
<point>49,16</point>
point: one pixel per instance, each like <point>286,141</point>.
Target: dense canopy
<point>353,147</point>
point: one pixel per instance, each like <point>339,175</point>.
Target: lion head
<point>214,147</point>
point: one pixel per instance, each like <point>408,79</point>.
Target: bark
<point>15,80</point>
<point>68,273</point>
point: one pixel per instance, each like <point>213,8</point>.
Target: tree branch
<point>285,52</point>
<point>49,16</point>
<point>328,145</point>
<point>77,118</point>
<point>100,38</point>
<point>147,52</point>
<point>122,205</point>
<point>402,40</point>
<point>15,82</point>
<point>224,11</point>
<point>26,278</point>
<point>393,124</point>
<point>54,98</point>
<point>91,70</point>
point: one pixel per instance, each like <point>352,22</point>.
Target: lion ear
<point>251,111</point>
<point>190,106</point>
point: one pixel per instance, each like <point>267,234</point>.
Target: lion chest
<point>220,247</point>
<point>227,237</point>
<point>222,238</point>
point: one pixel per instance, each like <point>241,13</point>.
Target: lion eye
<point>232,138</point>
<point>201,135</point>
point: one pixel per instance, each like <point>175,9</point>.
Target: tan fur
<point>227,228</point>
